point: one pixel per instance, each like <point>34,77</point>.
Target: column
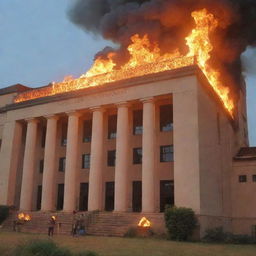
<point>96,168</point>
<point>122,158</point>
<point>49,164</point>
<point>26,196</point>
<point>148,156</point>
<point>71,162</point>
<point>9,159</point>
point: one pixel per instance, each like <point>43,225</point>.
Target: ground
<point>113,246</point>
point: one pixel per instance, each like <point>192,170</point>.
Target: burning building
<point>160,120</point>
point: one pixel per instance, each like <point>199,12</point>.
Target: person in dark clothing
<point>52,223</point>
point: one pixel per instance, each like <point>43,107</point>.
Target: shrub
<point>180,222</point>
<point>4,213</point>
<point>36,247</point>
<point>131,232</point>
<point>46,248</point>
<point>86,253</point>
<point>217,235</point>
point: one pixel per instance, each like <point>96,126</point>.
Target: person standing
<point>52,223</point>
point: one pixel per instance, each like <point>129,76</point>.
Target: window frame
<point>164,155</point>
<point>111,159</point>
<point>62,164</point>
<point>86,162</point>
<point>242,178</point>
<point>163,124</point>
<point>137,156</point>
<point>137,127</point>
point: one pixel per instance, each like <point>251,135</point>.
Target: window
<point>0,143</point>
<point>166,153</point>
<point>137,122</point>
<point>166,118</point>
<point>112,124</point>
<point>137,155</point>
<point>62,164</point>
<point>41,166</point>
<point>43,137</point>
<point>86,161</point>
<point>64,135</point>
<point>111,158</point>
<point>242,178</point>
<point>254,178</point>
<point>87,131</point>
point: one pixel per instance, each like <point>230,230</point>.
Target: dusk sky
<point>38,45</point>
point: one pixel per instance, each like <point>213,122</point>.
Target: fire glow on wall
<point>146,58</point>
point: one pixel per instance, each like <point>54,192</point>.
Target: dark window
<point>112,158</point>
<point>41,166</point>
<point>166,153</point>
<point>86,161</point>
<point>87,131</point>
<point>43,137</point>
<point>242,178</point>
<point>137,122</point>
<point>39,197</point>
<point>254,178</point>
<point>137,155</point>
<point>136,196</point>
<point>109,196</point>
<point>64,131</point>
<point>112,124</point>
<point>0,143</point>
<point>166,118</point>
<point>62,164</point>
<point>166,194</point>
<point>83,200</point>
<point>60,197</point>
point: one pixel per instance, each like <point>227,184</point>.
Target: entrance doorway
<point>110,196</point>
<point>83,201</point>
<point>136,196</point>
<point>60,197</point>
<point>39,197</point>
<point>166,193</point>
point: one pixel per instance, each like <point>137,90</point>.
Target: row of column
<point>96,165</point>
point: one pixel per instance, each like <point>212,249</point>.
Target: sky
<point>38,45</point>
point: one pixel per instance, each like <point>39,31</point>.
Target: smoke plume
<point>168,22</point>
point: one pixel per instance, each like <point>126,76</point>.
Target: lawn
<point>113,246</point>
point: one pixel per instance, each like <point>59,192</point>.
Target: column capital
<point>148,100</point>
<point>53,116</point>
<point>97,108</point>
<point>74,113</point>
<point>32,120</point>
<point>123,104</point>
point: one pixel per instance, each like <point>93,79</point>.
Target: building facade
<point>131,146</point>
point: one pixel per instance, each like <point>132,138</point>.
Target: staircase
<point>97,223</point>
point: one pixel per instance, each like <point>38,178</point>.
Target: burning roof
<point>159,35</point>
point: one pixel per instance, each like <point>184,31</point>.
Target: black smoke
<point>168,22</point>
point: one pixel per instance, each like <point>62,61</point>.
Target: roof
<point>13,89</point>
<point>246,153</point>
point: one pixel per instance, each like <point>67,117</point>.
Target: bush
<point>36,247</point>
<point>46,248</point>
<point>131,232</point>
<point>217,235</point>
<point>4,213</point>
<point>180,222</point>
<point>86,253</point>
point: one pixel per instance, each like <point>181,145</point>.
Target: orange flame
<point>144,222</point>
<point>23,216</point>
<point>145,58</point>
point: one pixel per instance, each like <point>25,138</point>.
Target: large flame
<point>144,222</point>
<point>146,58</point>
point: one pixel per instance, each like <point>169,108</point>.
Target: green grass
<point>112,246</point>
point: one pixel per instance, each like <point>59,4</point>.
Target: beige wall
<point>243,197</point>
